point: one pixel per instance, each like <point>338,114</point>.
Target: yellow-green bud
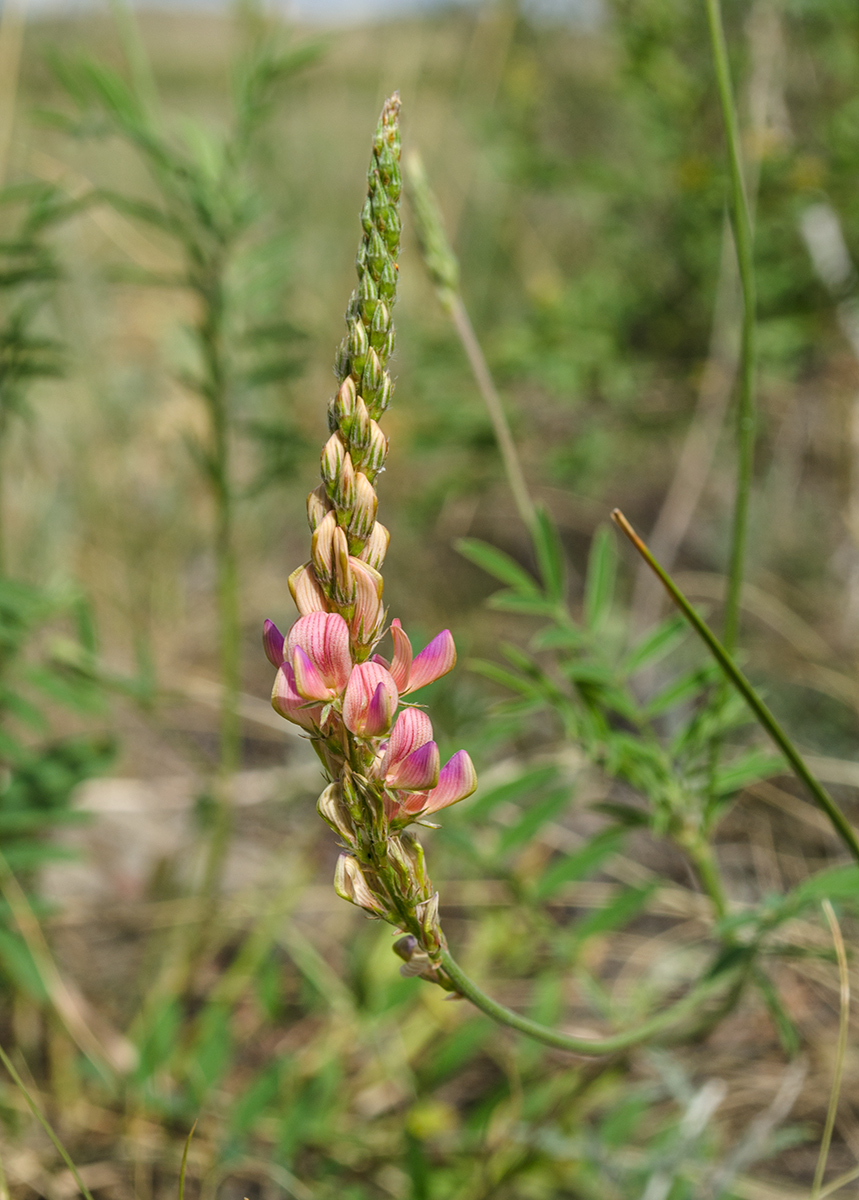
<point>376,546</point>
<point>318,505</point>
<point>344,582</point>
<point>376,453</point>
<point>322,547</point>
<point>364,510</point>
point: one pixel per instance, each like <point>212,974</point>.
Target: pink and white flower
<point>318,649</point>
<point>457,779</point>
<point>287,700</point>
<point>434,660</point>
<point>411,760</point>
<point>370,701</point>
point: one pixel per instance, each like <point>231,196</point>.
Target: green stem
<point>43,1121</point>
<point>741,221</point>
<point>744,687</point>
<point>564,1041</point>
<point>704,861</point>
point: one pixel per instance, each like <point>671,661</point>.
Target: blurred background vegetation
<point>579,162</point>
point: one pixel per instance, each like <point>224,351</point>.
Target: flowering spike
<point>434,660</point>
<point>272,640</point>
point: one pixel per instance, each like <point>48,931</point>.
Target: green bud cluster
<point>356,450</point>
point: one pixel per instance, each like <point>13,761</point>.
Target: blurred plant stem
<point>735,676</point>
<point>741,222</point>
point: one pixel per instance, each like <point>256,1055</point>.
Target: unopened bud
<point>333,811</point>
<point>342,362</point>
<point>380,324</point>
<point>343,492</point>
<point>387,347</point>
<point>405,947</point>
<point>427,915</point>
<point>368,297</point>
<point>364,509</point>
<point>392,227</point>
<point>306,591</point>
<point>322,547</point>
<point>376,452</point>
<point>318,505</point>
<point>376,547</point>
<point>344,405</point>
<point>414,851</point>
<point>371,379</point>
<point>358,344</point>
<point>359,437</point>
<point>387,281</point>
<point>377,255</point>
<point>344,580</point>
<point>369,615</point>
<point>367,215</point>
<point>333,454</point>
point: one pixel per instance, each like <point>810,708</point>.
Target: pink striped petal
<point>272,642</point>
<point>362,693</point>
<point>308,680</point>
<point>434,660</point>
<point>418,771</point>
<point>402,661</point>
<point>412,729</point>
<point>457,780</point>
<point>288,701</point>
<point>324,638</point>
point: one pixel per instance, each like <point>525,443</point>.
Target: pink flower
<point>411,760</point>
<point>434,660</point>
<point>370,701</point>
<point>456,780</point>
<point>317,646</point>
<point>289,702</point>
<point>272,642</point>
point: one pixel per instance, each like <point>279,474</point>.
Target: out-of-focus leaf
<point>570,868</point>
<point>497,564</point>
<point>599,583</point>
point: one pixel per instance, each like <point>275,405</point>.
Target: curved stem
<point>744,687</point>
<point>564,1041</point>
<point>741,221</point>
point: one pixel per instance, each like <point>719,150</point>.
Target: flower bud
<point>306,590</point>
<point>376,546</point>
<point>342,362</point>
<point>387,281</point>
<point>344,582</point>
<point>371,380</point>
<point>376,453</point>
<point>272,642</point>
<point>359,437</point>
<point>427,915</point>
<point>378,197</point>
<point>333,454</point>
<point>383,399</point>
<point>343,492</point>
<point>369,615</point>
<point>392,228</point>
<point>364,510</point>
<point>318,505</point>
<point>377,255</point>
<point>322,547</point>
<point>333,811</point>
<point>344,406</point>
<point>358,343</point>
<point>387,347</point>
<point>367,216</point>
<point>380,324</point>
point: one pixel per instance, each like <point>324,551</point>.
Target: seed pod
<point>364,509</point>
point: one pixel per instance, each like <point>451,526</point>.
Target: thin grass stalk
<point>741,221</point>
<point>46,1125</point>
<point>184,1166</point>
<point>841,1052</point>
<point>736,677</point>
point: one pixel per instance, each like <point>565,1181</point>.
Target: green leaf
<point>687,687</point>
<point>491,670</point>
<point>617,913</point>
<point>656,644</point>
<point>497,564</point>
<point>558,637</point>
<point>750,767</point>
<point>17,962</point>
<point>835,883</point>
<point>550,554</point>
<point>787,1032</point>
<point>572,867</point>
<point>599,584</point>
<point>531,605</point>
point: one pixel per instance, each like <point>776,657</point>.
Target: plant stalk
<point>741,221</point>
<point>735,676</point>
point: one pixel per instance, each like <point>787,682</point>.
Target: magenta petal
<point>308,680</point>
<point>324,638</point>
<point>402,660</point>
<point>272,642</point>
<point>417,772</point>
<point>412,728</point>
<point>380,713</point>
<point>457,780</point>
<point>288,701</point>
<point>434,660</point>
